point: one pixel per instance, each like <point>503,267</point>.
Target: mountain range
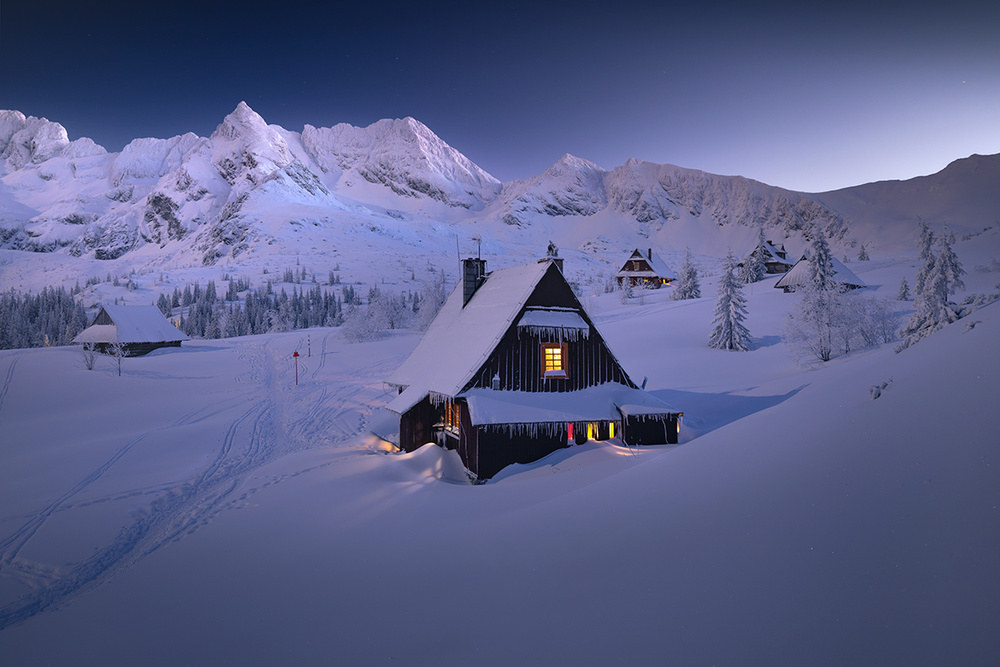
<point>251,186</point>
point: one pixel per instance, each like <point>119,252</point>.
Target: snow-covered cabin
<point>512,368</point>
<point>798,275</point>
<point>140,329</point>
<point>645,269</point>
<point>774,255</point>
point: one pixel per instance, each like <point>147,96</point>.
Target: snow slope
<point>203,508</point>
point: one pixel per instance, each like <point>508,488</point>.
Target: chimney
<point>473,274</point>
<point>649,254</point>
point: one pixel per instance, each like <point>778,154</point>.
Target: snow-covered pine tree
<point>904,290</point>
<point>820,260</point>
<point>688,286</point>
<point>941,277</point>
<point>925,257</point>
<point>949,265</point>
<point>813,330</point>
<point>753,268</point>
<point>730,311</point>
<point>863,254</point>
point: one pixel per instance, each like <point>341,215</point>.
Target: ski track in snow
<point>282,419</point>
<point>8,378</point>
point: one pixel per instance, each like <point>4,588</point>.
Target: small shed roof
<point>131,324</point>
<point>799,275</point>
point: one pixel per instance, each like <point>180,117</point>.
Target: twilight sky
<point>805,98</point>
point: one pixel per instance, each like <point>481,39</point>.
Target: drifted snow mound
<point>430,462</point>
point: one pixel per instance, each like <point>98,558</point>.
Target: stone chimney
<point>473,275</point>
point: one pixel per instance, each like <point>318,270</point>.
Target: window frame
<point>560,373</point>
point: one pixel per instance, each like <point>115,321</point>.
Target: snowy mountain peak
<point>572,163</point>
<point>406,157</point>
<point>247,149</point>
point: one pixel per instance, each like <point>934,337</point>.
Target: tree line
<point>51,317</point>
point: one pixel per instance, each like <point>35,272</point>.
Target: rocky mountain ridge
<point>231,193</point>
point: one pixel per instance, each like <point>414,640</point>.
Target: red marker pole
<point>296,357</point>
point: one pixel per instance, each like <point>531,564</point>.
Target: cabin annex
<point>645,269</point>
<point>140,329</point>
<point>798,276</point>
<point>512,369</point>
<point>774,255</point>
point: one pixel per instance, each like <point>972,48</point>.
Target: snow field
<point>801,522</point>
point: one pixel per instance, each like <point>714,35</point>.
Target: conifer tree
<point>941,277</point>
<point>730,311</point>
<point>754,268</point>
<point>904,290</point>
<point>687,286</point>
<point>926,254</point>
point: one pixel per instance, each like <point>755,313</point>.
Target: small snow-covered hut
<point>512,369</point>
<point>645,269</point>
<point>774,255</point>
<point>798,275</point>
<point>140,330</point>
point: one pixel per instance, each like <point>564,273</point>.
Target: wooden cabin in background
<point>513,369</point>
<point>646,269</point>
<point>774,255</point>
<point>798,276</point>
<point>140,329</point>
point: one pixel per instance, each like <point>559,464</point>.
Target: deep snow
<point>203,509</point>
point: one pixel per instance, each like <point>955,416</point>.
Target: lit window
<point>554,360</point>
<point>452,416</point>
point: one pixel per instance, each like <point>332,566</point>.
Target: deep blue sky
<point>805,98</point>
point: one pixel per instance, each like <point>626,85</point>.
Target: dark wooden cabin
<point>513,368</point>
<point>646,269</point>
<point>140,330</point>
<point>774,255</point>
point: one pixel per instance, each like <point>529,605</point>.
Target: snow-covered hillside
<point>203,509</point>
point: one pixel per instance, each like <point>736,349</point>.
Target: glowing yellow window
<point>554,360</point>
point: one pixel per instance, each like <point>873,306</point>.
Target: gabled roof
<point>799,274</point>
<point>131,324</point>
<point>658,266</point>
<point>771,254</point>
<point>459,340</point>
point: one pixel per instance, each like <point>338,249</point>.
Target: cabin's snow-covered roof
<point>659,267</point>
<point>132,324</point>
<point>600,403</point>
<point>459,340</point>
<point>772,254</point>
<point>799,275</point>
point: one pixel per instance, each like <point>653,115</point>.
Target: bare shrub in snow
<point>118,352</point>
<point>89,355</point>
<point>359,326</point>
<point>431,300</point>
